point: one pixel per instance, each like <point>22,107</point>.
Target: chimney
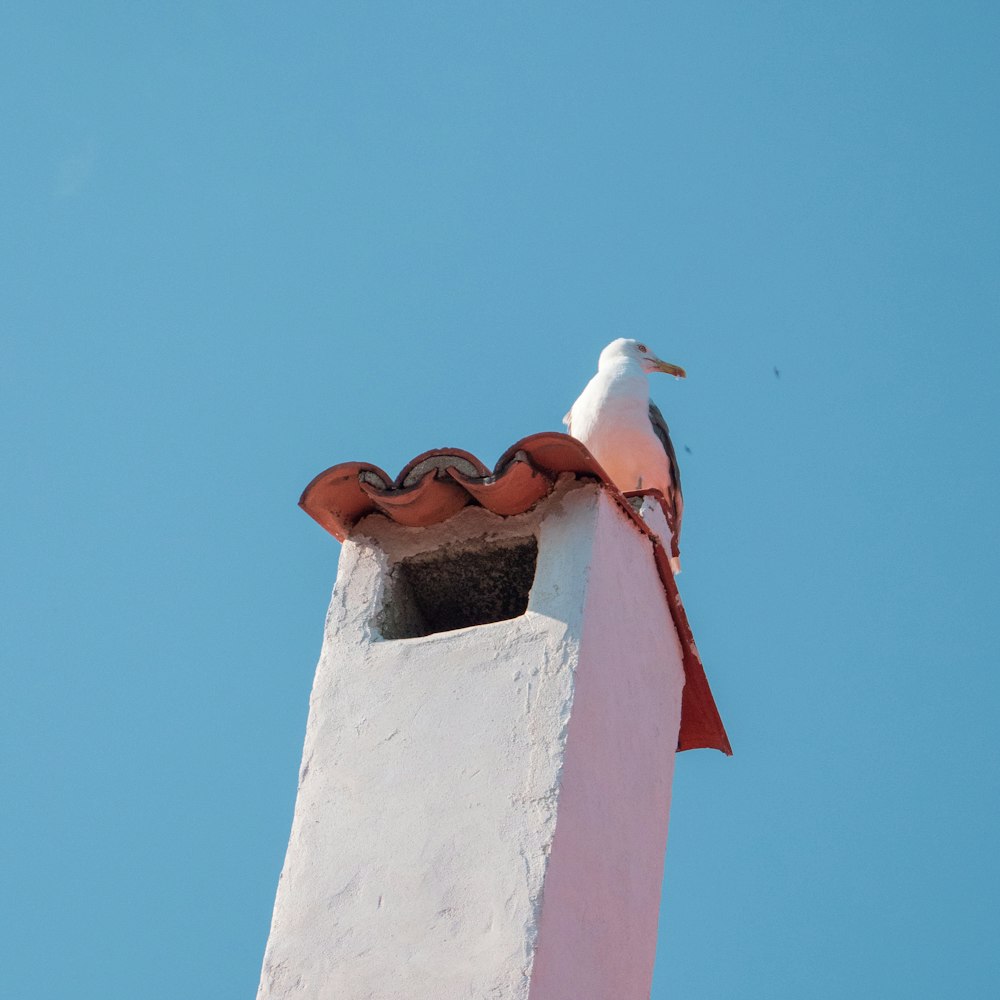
<point>506,675</point>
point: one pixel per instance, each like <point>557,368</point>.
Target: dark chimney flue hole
<point>457,587</point>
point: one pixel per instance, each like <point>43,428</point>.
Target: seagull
<point>626,432</point>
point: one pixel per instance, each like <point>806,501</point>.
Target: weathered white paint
<point>651,511</point>
<point>482,813</point>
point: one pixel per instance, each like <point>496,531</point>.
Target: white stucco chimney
<point>485,785</point>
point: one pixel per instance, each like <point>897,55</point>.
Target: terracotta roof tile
<point>437,484</point>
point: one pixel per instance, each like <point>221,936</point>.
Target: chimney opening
<point>457,587</point>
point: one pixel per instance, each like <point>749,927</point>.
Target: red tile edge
<point>701,725</point>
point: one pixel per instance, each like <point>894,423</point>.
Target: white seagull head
<point>633,352</point>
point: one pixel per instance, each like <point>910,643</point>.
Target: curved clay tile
<point>440,459</point>
<point>427,501</point>
<point>555,453</point>
<point>335,499</point>
<point>516,490</point>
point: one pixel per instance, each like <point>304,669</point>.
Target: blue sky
<point>242,242</point>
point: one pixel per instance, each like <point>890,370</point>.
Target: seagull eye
<point>643,348</point>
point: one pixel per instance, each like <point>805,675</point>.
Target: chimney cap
<point>439,483</point>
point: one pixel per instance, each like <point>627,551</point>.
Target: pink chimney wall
<point>600,904</point>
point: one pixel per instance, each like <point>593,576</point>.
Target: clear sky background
<point>242,242</point>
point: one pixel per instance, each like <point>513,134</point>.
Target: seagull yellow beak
<point>669,369</point>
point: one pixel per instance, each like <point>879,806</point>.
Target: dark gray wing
<point>676,501</point>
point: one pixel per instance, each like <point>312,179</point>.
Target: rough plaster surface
<point>482,813</point>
